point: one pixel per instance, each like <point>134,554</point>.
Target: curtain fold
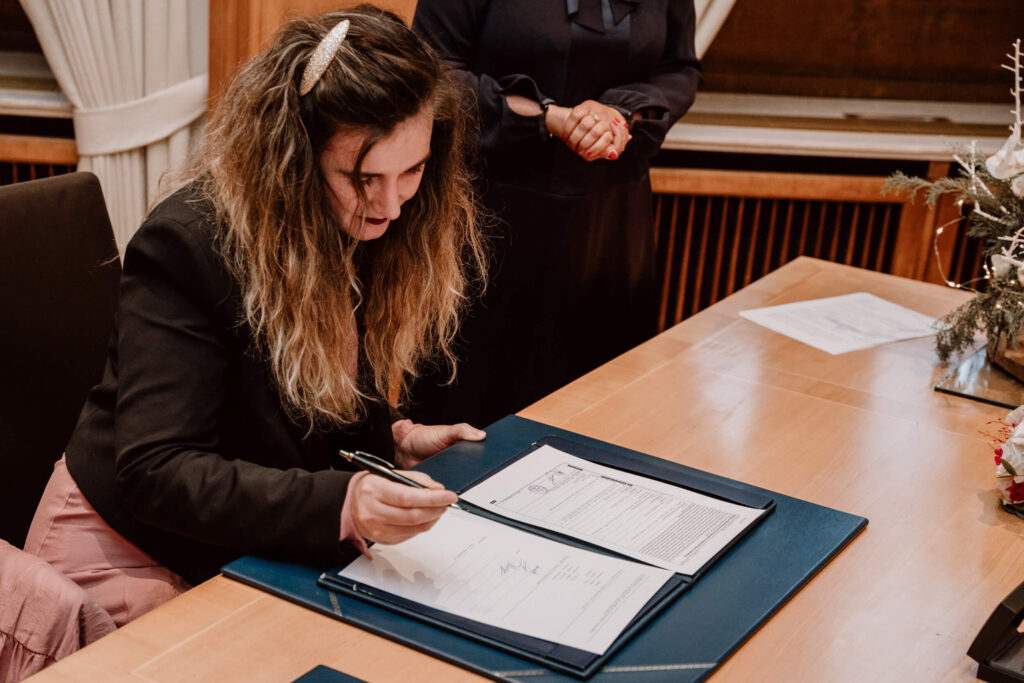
<point>711,14</point>
<point>138,90</point>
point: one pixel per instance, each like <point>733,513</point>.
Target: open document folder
<point>557,557</point>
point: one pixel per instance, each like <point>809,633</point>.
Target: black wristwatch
<point>545,102</point>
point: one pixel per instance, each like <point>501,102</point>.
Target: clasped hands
<point>388,512</point>
<point>590,129</point>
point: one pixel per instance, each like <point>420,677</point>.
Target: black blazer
<point>184,447</point>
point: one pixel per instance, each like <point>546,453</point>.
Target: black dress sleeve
<point>176,345</point>
<point>671,87</point>
<point>453,28</point>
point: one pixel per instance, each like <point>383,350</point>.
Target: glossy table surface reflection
<point>863,432</point>
<point>977,377</point>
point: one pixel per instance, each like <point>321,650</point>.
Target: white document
<point>843,323</point>
<point>496,574</point>
<point>658,523</point>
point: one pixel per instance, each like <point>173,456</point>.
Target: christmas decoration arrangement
<point>991,191</point>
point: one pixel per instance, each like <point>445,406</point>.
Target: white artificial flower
<point>1013,449</point>
<point>1008,161</point>
<point>1001,265</point>
<point>1017,186</point>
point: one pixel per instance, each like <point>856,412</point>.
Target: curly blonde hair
<point>306,284</point>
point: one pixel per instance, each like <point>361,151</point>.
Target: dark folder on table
<point>683,632</point>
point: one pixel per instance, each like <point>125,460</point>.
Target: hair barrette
<point>322,56</point>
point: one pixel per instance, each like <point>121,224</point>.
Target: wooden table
<point>862,432</point>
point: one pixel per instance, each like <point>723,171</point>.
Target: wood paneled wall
<point>941,50</point>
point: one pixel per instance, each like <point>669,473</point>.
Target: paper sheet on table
<point>658,523</point>
<point>492,573</point>
<point>843,323</point>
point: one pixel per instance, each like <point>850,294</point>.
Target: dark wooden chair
<point>59,273</point>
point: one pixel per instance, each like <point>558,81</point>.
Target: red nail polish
<point>613,155</point>
<point>590,154</point>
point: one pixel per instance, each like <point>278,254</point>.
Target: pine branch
<point>957,328</point>
<point>932,189</point>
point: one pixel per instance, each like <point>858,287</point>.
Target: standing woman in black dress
<point>573,98</point>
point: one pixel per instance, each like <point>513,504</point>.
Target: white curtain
<point>135,72</point>
<point>711,14</point>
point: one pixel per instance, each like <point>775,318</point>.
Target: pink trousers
<point>69,534</point>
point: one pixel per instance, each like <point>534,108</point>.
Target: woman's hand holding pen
<point>388,512</point>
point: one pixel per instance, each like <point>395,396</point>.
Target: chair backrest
<point>59,273</point>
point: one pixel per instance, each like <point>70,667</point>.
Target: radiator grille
<point>12,172</point>
<point>710,246</point>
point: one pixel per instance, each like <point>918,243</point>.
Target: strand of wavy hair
<point>293,265</point>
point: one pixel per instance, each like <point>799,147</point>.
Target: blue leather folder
<point>325,674</point>
<point>685,632</point>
